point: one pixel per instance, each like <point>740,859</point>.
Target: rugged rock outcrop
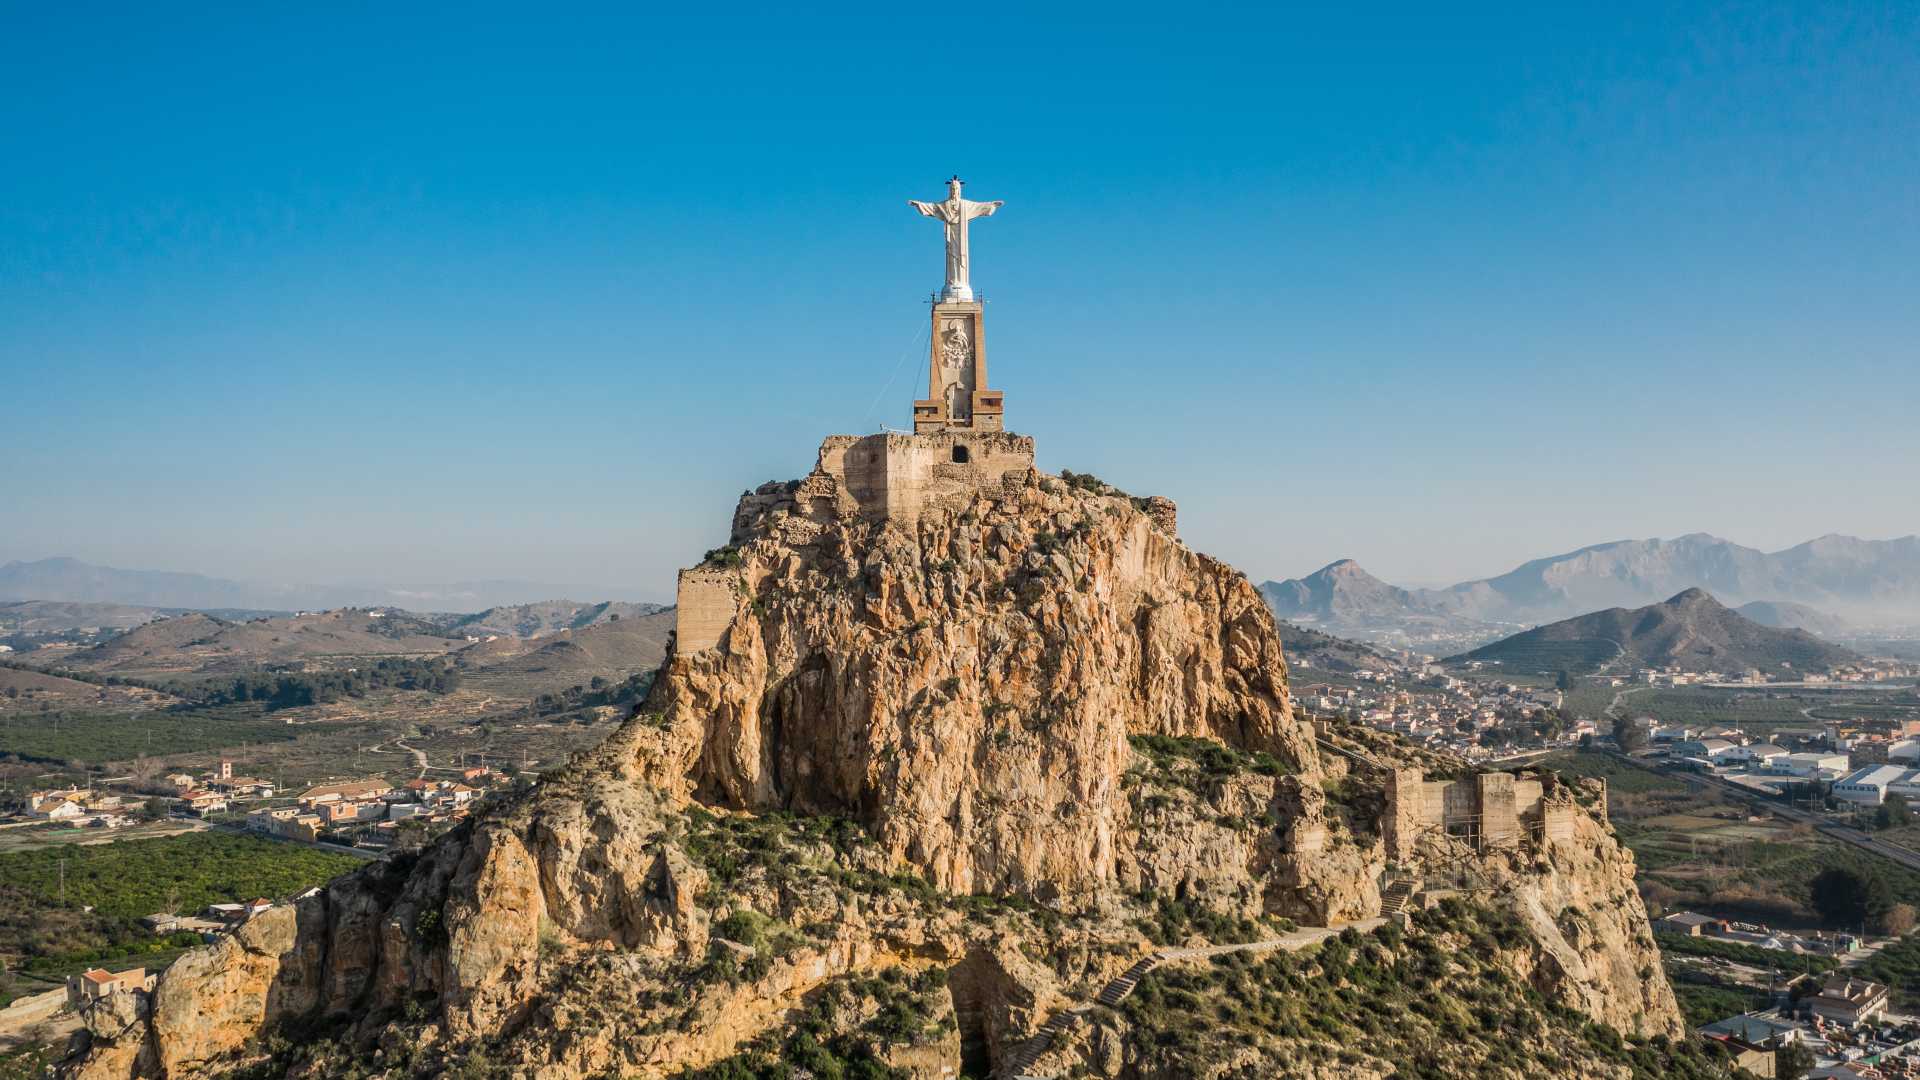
<point>953,772</point>
<point>967,683</point>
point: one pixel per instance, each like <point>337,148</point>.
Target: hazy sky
<point>354,294</point>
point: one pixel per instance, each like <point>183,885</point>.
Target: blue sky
<point>351,294</point>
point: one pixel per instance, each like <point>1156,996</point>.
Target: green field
<point>44,937</point>
<point>1756,709</point>
<point>1590,699</point>
<point>1620,776</point>
<point>72,738</point>
<point>174,873</point>
<point>1701,705</point>
<point>1538,657</point>
<point>1898,965</point>
<point>1696,849</point>
<point>1704,1000</point>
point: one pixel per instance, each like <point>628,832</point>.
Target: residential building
<point>204,802</point>
<point>238,913</point>
<point>1710,749</point>
<point>1844,999</point>
<point>57,810</point>
<point>243,785</point>
<point>1686,923</point>
<point>351,791</point>
<point>337,813</point>
<point>96,983</point>
<point>1757,1028</point>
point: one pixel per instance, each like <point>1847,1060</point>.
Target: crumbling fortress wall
<point>885,477</point>
<point>1487,811</point>
<point>899,477</point>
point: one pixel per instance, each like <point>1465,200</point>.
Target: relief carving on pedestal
<point>956,367</point>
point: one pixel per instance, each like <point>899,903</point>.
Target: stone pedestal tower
<point>958,398</point>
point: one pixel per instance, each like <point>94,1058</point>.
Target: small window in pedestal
<point>959,455</point>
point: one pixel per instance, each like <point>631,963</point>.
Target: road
<point>419,757</point>
<point>1613,707</point>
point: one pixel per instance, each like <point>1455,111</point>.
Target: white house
<point>1811,766</point>
<point>1710,749</point>
<point>1731,754</point>
<point>58,810</point>
<point>1759,755</point>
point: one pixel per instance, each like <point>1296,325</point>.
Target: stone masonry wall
<point>889,476</point>
<point>897,476</point>
<point>706,602</point>
<point>1492,809</point>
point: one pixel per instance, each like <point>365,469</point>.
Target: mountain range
<point>1690,629</point>
<point>1809,585</point>
<point>67,579</point>
<point>513,651</point>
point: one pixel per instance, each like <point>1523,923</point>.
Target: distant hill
<point>1691,629</point>
<point>68,579</point>
<point>1785,615</point>
<point>1309,648</point>
<point>547,617</point>
<point>26,690</point>
<point>532,648</point>
<point>45,616</point>
<point>201,644</point>
<point>1868,579</point>
<point>1341,592</point>
<point>612,649</point>
<point>1342,598</point>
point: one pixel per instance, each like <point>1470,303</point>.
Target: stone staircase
<point>1112,994</point>
<point>1116,991</point>
<point>1394,898</point>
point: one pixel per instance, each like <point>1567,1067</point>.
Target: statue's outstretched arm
<point>986,209</point>
<point>928,209</point>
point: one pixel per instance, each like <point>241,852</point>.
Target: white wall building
<point>1869,786</point>
<point>1813,766</point>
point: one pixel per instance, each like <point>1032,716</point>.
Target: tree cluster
<point>287,690</point>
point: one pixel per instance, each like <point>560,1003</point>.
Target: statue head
<point>953,187</point>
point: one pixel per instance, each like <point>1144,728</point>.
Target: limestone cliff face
<point>967,683</point>
<point>1594,944</point>
<point>1002,740</point>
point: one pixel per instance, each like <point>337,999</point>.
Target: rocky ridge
<point>934,782</point>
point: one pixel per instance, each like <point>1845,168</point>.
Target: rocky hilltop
<point>1690,629</point>
<point>929,765</point>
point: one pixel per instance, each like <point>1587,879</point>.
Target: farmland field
<point>1696,848</point>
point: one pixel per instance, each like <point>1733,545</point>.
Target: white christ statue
<point>955,213</point>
